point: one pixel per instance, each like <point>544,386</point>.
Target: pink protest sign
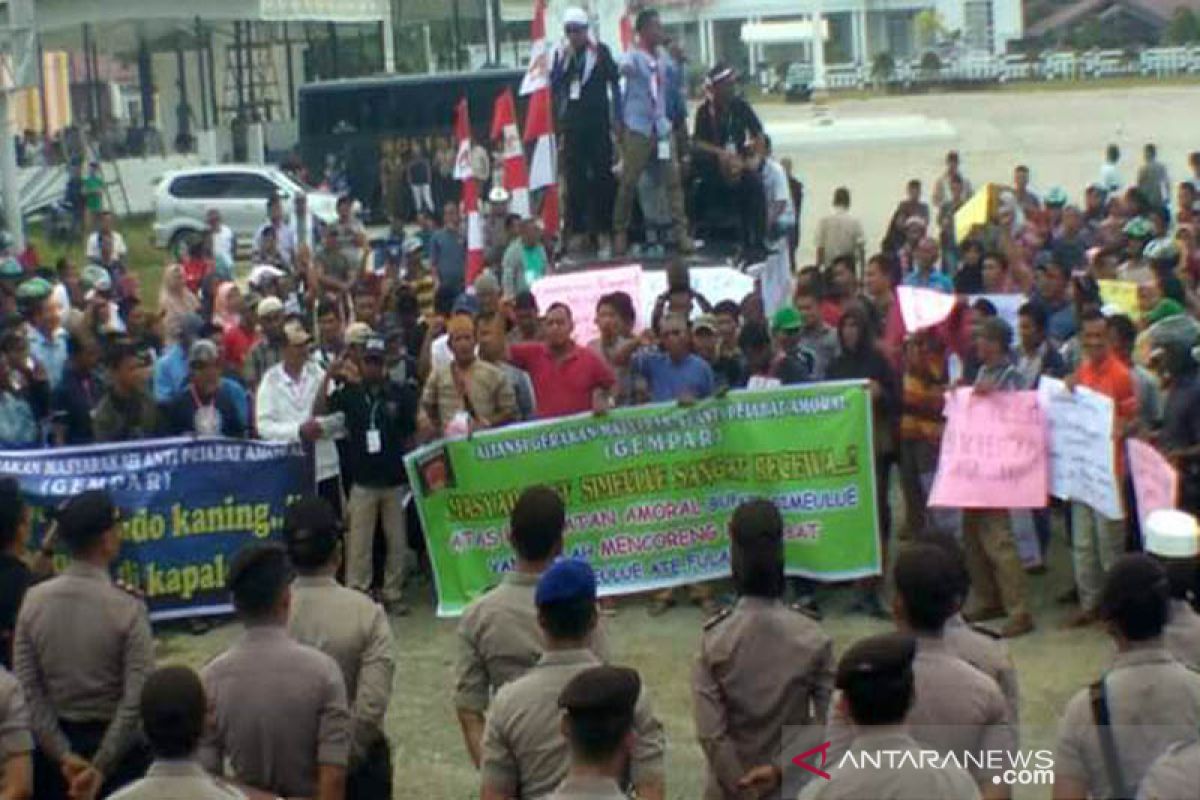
<point>580,291</point>
<point>1155,481</point>
<point>993,452</point>
<point>923,308</point>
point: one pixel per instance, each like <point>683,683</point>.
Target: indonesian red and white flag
<point>462,132</point>
<point>537,74</point>
<point>470,191</point>
<point>515,176</point>
<point>543,172</point>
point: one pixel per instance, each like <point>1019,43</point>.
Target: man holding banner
<point>1097,541</point>
<point>991,554</point>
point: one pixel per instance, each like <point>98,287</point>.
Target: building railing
<point>979,68</point>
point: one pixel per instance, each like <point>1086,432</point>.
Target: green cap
<point>1137,228</point>
<point>34,289</point>
<point>1056,197</point>
<point>786,319</point>
<point>10,268</point>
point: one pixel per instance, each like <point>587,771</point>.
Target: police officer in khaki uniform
<point>957,708</point>
<point>172,707</point>
<point>16,743</point>
<point>347,626</point>
<point>1147,699</point>
<point>498,636</point>
<point>1173,537</point>
<point>598,725</point>
<point>876,691</point>
<point>277,708</point>
<point>1175,775</point>
<point>82,651</point>
<point>764,669</point>
<point>524,752</point>
<point>980,647</point>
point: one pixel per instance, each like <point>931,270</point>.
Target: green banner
<point>649,490</point>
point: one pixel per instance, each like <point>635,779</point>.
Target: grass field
<point>144,259</point>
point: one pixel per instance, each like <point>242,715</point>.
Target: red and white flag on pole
<point>470,191</point>
<point>539,129</point>
<point>515,177</point>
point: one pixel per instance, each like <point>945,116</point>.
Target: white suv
<point>239,191</point>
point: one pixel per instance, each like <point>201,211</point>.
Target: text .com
<point>1010,768</point>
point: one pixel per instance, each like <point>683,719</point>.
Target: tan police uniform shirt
<point>82,651</point>
<point>15,738</point>
<point>277,710</point>
<point>957,709</point>
<point>524,752</point>
<point>353,630</point>
<point>499,640</point>
<point>988,654</point>
<point>588,789</point>
<point>898,778</point>
<point>1175,775</point>
<point>1182,634</point>
<point>1153,702</point>
<point>178,780</point>
<point>763,667</point>
<point>487,387</point>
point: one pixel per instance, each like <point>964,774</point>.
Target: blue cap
<point>567,579</point>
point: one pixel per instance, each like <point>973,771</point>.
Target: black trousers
<point>717,200</point>
<point>591,188</point>
<point>85,738</point>
<point>372,778</point>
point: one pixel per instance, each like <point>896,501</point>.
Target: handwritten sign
<point>1082,455</point>
<point>993,452</point>
<point>1155,481</point>
<point>1123,295</point>
<point>580,291</point>
<point>923,308</point>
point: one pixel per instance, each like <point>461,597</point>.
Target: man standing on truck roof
<point>587,94</point>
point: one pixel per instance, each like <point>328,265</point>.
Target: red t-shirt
<point>562,386</point>
<point>235,344</point>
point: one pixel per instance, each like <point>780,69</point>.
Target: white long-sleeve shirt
<point>282,405</point>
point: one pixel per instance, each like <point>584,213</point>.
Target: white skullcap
<point>1170,533</point>
<point>575,16</point>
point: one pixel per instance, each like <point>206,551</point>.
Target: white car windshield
<point>295,186</point>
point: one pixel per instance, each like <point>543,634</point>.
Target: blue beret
<point>567,579</point>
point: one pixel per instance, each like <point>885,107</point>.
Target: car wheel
<point>181,241</point>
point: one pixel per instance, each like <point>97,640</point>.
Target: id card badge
<point>576,89</point>
<point>664,149</point>
<point>374,441</point>
<point>731,148</point>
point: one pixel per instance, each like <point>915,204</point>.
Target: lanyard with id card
<point>576,89</point>
<point>664,148</point>
<point>374,437</point>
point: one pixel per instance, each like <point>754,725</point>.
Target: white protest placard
<point>715,283</point>
<point>923,308</point>
<point>1007,307</point>
<point>1155,481</point>
<point>1082,454</point>
<point>775,283</point>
